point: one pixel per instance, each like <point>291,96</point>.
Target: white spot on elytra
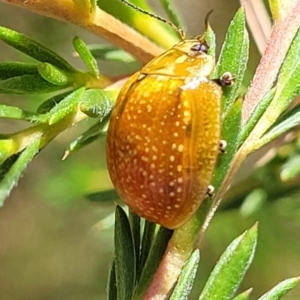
<point>180,148</point>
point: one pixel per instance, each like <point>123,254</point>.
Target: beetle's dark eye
<point>200,48</point>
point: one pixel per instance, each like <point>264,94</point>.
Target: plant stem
<point>98,22</point>
<point>281,37</point>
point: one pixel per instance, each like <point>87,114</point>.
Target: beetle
<point>164,133</point>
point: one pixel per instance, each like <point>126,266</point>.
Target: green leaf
<point>255,116</point>
<point>253,202</point>
<point>53,74</point>
<point>7,148</point>
<point>288,84</point>
<point>281,289</point>
<point>233,57</point>
<point>108,195</point>
<point>110,53</point>
<point>96,103</point>
<point>46,106</point>
<point>244,296</point>
<point>111,283</point>
<point>12,112</point>
<point>155,256</point>
<point>210,38</point>
<point>135,222</point>
<point>66,107</point>
<point>124,256</point>
<point>233,264</point>
<point>86,55</point>
<point>275,8</point>
<point>149,26</point>
<point>27,84</point>
<point>285,123</point>
<point>33,49</point>
<point>93,133</point>
<point>291,168</point>
<point>185,282</point>
<point>11,174</point>
<point>148,234</point>
<point>13,69</point>
<point>173,15</point>
<point>230,131</point>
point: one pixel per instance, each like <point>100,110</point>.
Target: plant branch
<point>281,37</point>
<point>98,22</point>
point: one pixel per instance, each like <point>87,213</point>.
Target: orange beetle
<point>164,133</point>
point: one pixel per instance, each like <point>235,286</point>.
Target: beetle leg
<point>225,80</point>
<point>210,191</point>
<point>222,146</point>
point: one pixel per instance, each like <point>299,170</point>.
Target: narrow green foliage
<point>256,115</point>
<point>172,13</point>
<point>274,7</point>
<point>50,103</point>
<point>53,74</point>
<point>27,84</point>
<point>86,55</point>
<point>96,103</point>
<point>67,106</point>
<point>110,53</point>
<point>109,195</point>
<point>14,69</point>
<point>233,264</point>
<point>148,234</point>
<point>210,38</point>
<point>124,256</point>
<point>285,123</point>
<point>186,278</point>
<point>243,296</point>
<point>155,256</point>
<point>230,131</point>
<point>93,133</point>
<point>16,113</point>
<point>233,57</point>
<point>13,172</point>
<point>135,222</point>
<point>112,285</point>
<point>291,168</point>
<point>253,202</point>
<point>8,148</point>
<point>281,289</point>
<point>33,49</point>
<point>288,84</point>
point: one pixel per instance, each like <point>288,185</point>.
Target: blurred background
<point>51,244</point>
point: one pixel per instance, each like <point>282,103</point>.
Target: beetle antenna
<point>178,30</point>
<point>206,18</point>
